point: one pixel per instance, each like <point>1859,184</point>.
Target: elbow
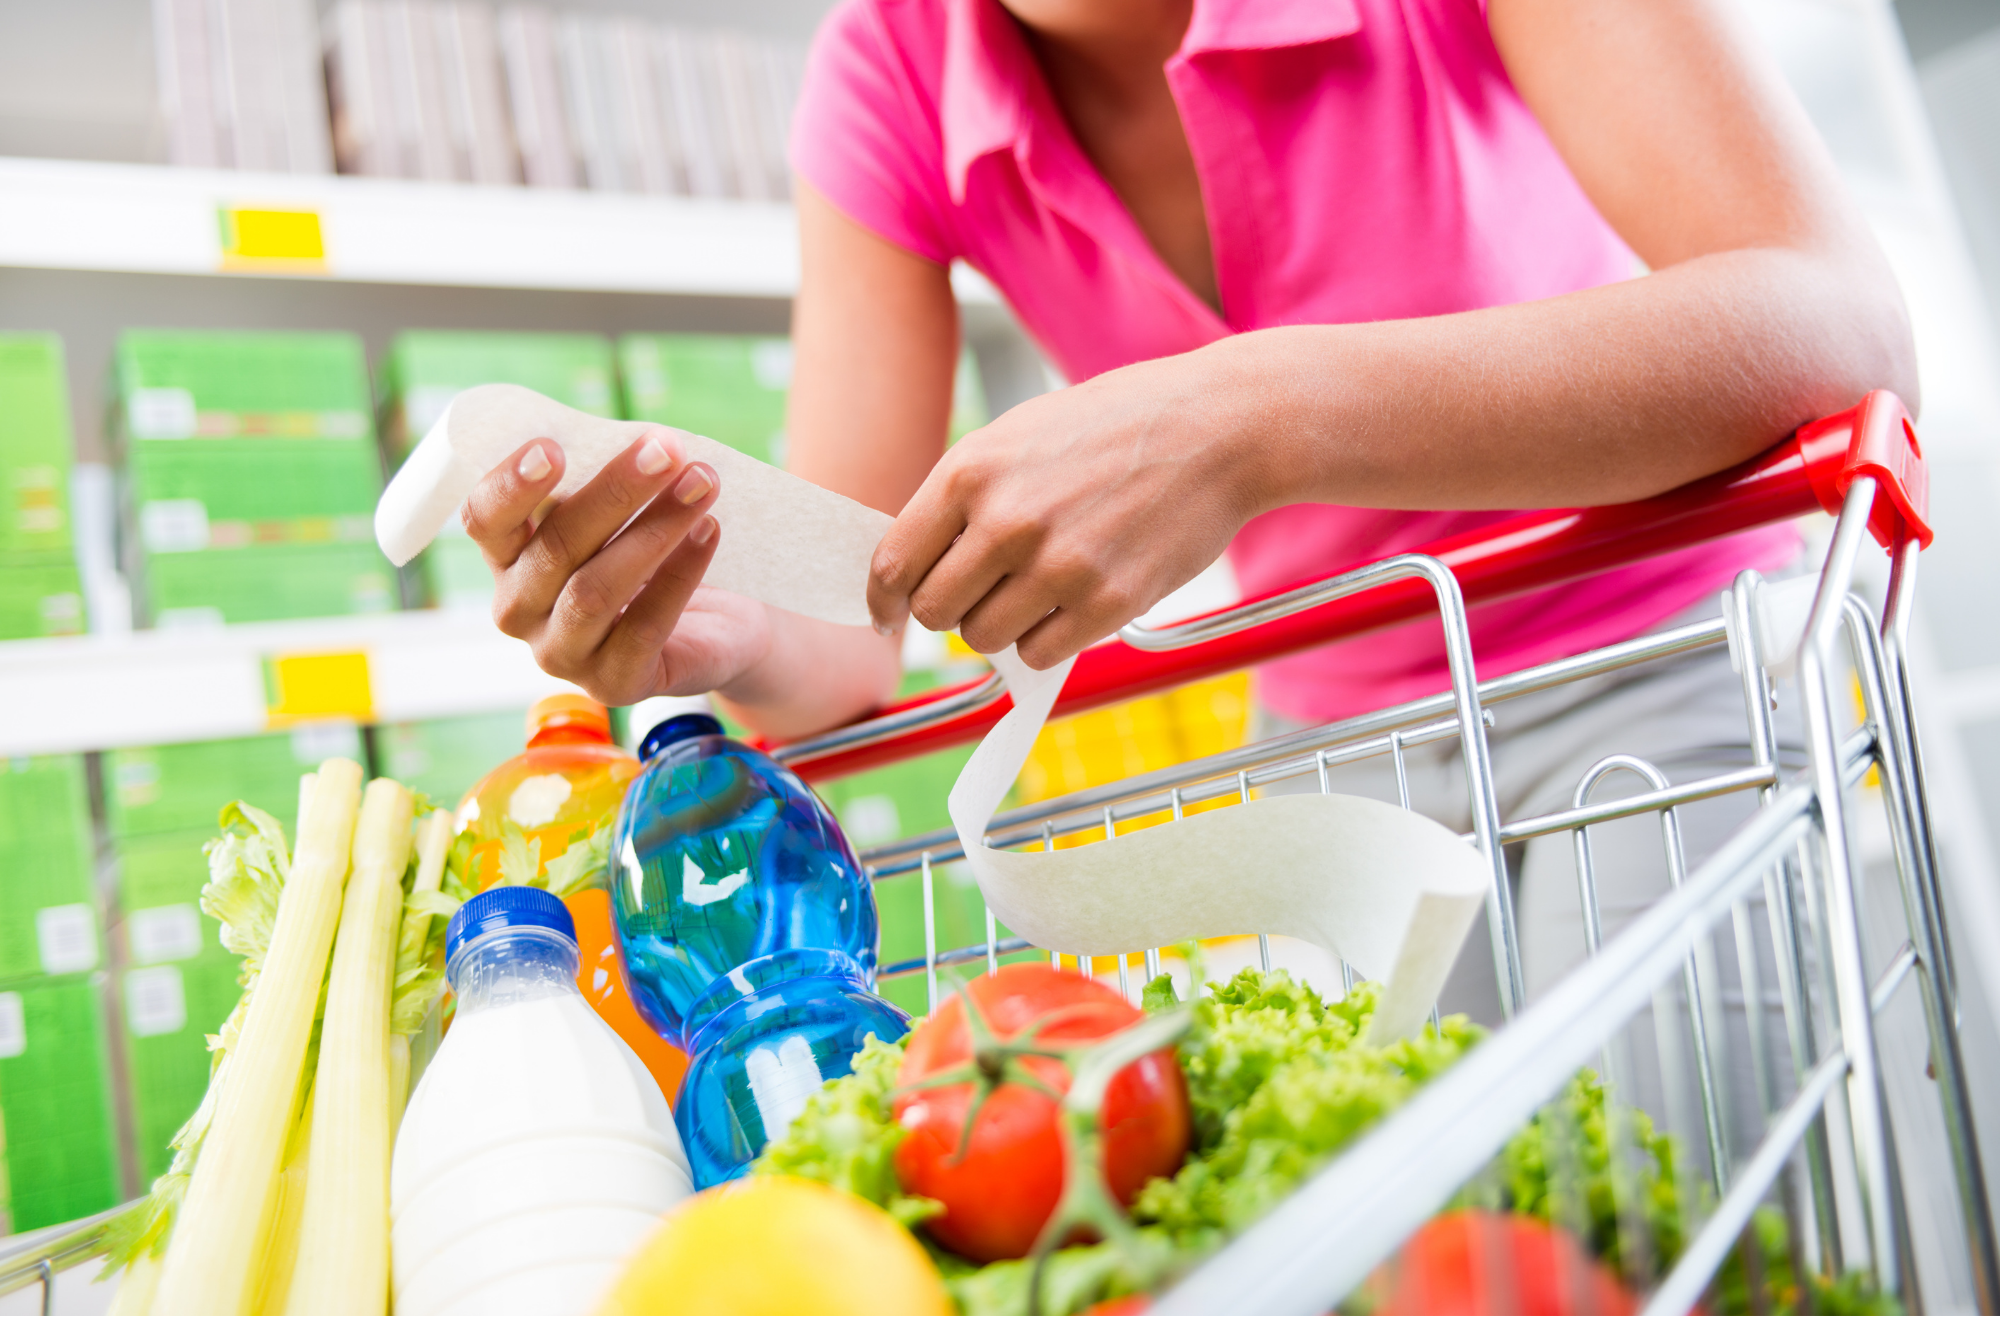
<point>1899,354</point>
<point>1873,346</point>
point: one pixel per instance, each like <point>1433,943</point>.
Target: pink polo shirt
<point>1359,160</point>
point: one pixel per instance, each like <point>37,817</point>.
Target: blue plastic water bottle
<point>747,930</point>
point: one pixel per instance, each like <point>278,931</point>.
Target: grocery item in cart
<point>779,1246</point>
<point>982,1099</point>
<point>537,1150</point>
<point>1473,1262</point>
<point>748,932</point>
<point>1276,1079</point>
<point>544,817</point>
<point>276,1199</point>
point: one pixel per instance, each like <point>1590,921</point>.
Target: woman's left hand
<point>1073,513</point>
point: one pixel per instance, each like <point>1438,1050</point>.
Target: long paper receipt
<point>784,541</point>
<point>1391,892</point>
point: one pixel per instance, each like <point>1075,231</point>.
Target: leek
<point>343,1245</point>
<point>213,1256</point>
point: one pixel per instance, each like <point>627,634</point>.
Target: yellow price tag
<point>272,240</point>
<point>299,687</point>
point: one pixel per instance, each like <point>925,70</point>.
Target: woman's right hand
<point>618,610</point>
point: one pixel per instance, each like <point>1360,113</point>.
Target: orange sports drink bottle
<point>545,817</point>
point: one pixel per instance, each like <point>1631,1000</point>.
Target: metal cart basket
<point>1782,897</point>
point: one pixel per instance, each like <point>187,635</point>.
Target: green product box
<point>35,446</point>
<point>457,573</point>
<point>169,1011</point>
<point>40,596</point>
<point>208,384</point>
<point>255,428</point>
<point>733,388</point>
<point>730,389</point>
<point>968,398</point>
<point>424,368</point>
<point>251,490</point>
<point>56,1121</point>
<point>444,757</point>
<point>160,878</point>
<point>252,474</point>
<point>228,586</point>
<point>48,920</point>
<point>182,788</point>
<point>179,985</point>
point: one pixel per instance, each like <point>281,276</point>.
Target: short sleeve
<point>866,138</point>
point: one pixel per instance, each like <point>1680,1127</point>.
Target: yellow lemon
<point>778,1245</point>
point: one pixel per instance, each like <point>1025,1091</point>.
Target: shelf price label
<point>312,687</point>
<point>271,240</point>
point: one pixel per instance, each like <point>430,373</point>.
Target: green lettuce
<point>846,1136</point>
<point>1279,1081</point>
<point>247,867</point>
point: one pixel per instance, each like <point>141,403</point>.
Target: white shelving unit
<point>149,687</point>
<point>154,219</point>
<point>127,218</point>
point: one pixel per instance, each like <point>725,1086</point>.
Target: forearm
<point>815,676</point>
<point>1595,397</point>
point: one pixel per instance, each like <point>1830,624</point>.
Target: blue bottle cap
<point>507,905</point>
<point>677,729</point>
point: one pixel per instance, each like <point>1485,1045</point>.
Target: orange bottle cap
<point>575,712</point>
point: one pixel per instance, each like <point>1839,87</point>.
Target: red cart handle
<point>1811,470</point>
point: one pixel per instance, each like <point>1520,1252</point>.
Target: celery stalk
<point>136,1286</point>
<point>283,1251</point>
<point>219,1237</point>
<point>343,1246</point>
<point>399,1081</point>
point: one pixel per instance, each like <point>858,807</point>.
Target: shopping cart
<point>1795,861</point>
<point>1828,1149</point>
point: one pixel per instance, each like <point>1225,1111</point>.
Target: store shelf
<point>111,217</point>
<point>150,687</point>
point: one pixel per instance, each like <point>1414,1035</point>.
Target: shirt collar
<point>989,70</point>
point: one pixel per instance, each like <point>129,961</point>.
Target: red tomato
<point>1000,1193</point>
<point>1478,1263</point>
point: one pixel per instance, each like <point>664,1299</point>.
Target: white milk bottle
<point>536,1151</point>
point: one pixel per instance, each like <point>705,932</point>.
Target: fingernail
<point>694,484</point>
<point>885,630</point>
<point>534,464</point>
<point>703,531</point>
<point>653,457</point>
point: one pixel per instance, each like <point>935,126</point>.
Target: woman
<point>1329,277</point>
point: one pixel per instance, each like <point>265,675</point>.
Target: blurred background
<point>250,248</point>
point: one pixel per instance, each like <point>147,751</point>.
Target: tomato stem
<point>1086,1202</point>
